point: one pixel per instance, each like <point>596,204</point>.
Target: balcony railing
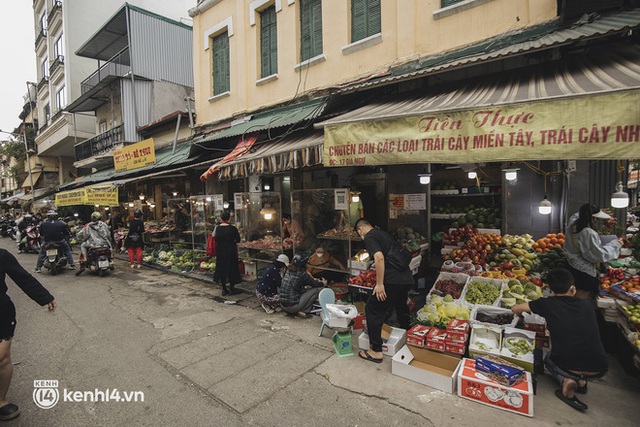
<point>99,144</point>
<point>59,61</point>
<point>43,82</point>
<point>118,66</point>
<point>56,6</point>
<point>42,35</point>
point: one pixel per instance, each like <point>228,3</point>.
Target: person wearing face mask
<point>291,229</point>
<point>267,287</point>
<point>319,261</point>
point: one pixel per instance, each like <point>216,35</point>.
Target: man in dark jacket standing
<point>9,266</point>
<point>54,230</point>
<point>392,287</point>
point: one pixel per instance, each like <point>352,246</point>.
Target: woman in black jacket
<point>134,242</point>
<point>9,266</point>
<point>227,269</point>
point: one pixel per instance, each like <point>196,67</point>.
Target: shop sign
<point>218,202</point>
<point>71,198</point>
<point>134,156</point>
<point>106,195</point>
<point>633,179</point>
<point>603,126</point>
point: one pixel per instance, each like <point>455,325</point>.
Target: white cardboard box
<point>476,386</point>
<point>437,370</point>
<point>392,339</point>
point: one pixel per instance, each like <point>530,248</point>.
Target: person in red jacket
<point>9,266</point>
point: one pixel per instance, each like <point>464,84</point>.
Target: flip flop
<point>368,357</point>
<point>304,316</point>
<point>9,412</point>
<point>574,402</point>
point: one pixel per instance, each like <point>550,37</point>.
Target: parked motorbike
<point>55,260</point>
<point>30,240</point>
<point>6,227</point>
<point>98,260</point>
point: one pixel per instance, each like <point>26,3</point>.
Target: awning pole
<point>175,137</point>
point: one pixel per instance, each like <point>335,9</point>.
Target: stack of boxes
<point>452,340</point>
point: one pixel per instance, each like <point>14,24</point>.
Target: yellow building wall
<point>410,30</point>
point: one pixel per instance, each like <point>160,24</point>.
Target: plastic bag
<point>342,311</point>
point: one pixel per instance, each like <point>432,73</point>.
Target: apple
<point>509,274</point>
<point>522,278</point>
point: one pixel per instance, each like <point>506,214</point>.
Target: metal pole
<point>26,149</point>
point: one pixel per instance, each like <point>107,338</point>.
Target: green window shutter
<point>365,19</point>
<point>268,42</point>
<point>358,20</point>
<point>310,28</point>
<point>221,64</point>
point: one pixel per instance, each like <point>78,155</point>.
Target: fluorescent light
<point>472,174</point>
<point>511,174</point>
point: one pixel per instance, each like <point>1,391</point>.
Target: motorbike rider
<point>27,221</point>
<point>56,231</point>
<point>95,233</point>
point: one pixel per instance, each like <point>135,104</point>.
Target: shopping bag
<point>211,246</point>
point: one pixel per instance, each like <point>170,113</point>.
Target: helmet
<point>96,216</point>
<point>299,260</point>
<point>28,215</point>
<point>52,214</point>
<point>283,259</point>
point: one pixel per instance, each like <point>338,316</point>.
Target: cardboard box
<point>458,330</point>
<point>500,370</point>
<point>515,354</point>
<point>392,339</point>
<point>435,339</point>
<point>250,268</point>
<point>485,339</point>
<point>359,265</point>
<point>455,347</point>
<point>437,370</point>
<point>417,335</point>
<point>474,385</point>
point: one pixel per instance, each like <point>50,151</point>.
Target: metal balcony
<point>42,35</point>
<point>59,61</point>
<point>42,83</point>
<point>56,6</point>
<point>119,66</point>
<point>99,144</point>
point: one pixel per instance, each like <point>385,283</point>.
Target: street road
<point>178,355</point>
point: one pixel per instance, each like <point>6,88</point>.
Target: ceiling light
<point>472,174</point>
<point>545,206</point>
<point>425,178</point>
<point>511,174</point>
<point>619,199</point>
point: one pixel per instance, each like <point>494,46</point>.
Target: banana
<point>529,255</point>
<point>517,251</point>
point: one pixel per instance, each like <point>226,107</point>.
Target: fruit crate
<point>492,311</point>
<point>498,283</point>
<point>461,279</point>
<point>624,315</point>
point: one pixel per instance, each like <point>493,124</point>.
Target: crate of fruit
<point>493,316</point>
<point>450,284</point>
<point>484,291</point>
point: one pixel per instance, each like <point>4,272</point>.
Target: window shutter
<point>375,18</point>
<point>268,42</point>
<point>358,20</point>
<point>305,30</point>
<point>317,28</point>
<point>221,65</point>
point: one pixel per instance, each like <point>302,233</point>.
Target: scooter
<point>6,227</point>
<point>55,260</point>
<point>30,240</point>
<point>98,260</point>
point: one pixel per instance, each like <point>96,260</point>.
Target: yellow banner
<point>581,127</point>
<point>134,156</point>
<point>71,198</point>
<point>106,195</point>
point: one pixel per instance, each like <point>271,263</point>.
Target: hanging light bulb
<point>267,211</point>
<point>175,194</point>
<point>225,205</point>
<point>267,187</point>
<point>619,199</point>
<point>208,199</point>
<point>472,174</point>
<point>545,206</point>
<point>141,196</point>
<point>511,174</point>
<point>130,204</point>
<point>425,178</point>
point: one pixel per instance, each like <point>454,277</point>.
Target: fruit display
<point>365,279</point>
<point>187,260</point>
<point>633,313</point>
<point>479,217</point>
<point>611,277</point>
<point>268,242</point>
<point>517,346</point>
<point>476,249</point>
<point>482,292</point>
<point>554,258</point>
<point>439,311</point>
<point>409,238</point>
<point>631,284</point>
<point>496,319</point>
<point>445,186</point>
<point>519,293</point>
<point>459,235</point>
<point>546,244</point>
<point>449,284</point>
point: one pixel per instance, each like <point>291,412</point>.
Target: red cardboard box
<point>436,338</point>
<point>476,386</point>
<point>458,329</point>
<point>455,347</point>
<point>539,328</point>
<point>542,341</point>
<point>417,335</point>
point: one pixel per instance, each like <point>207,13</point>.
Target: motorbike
<point>55,260</point>
<point>98,260</point>
<point>30,240</point>
<point>6,228</point>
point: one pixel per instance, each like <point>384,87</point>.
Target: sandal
<point>304,315</point>
<point>583,389</point>
<point>364,354</point>
<point>9,412</point>
<point>574,402</point>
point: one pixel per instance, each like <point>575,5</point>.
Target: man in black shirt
<point>576,350</point>
<point>392,287</point>
<point>54,230</point>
